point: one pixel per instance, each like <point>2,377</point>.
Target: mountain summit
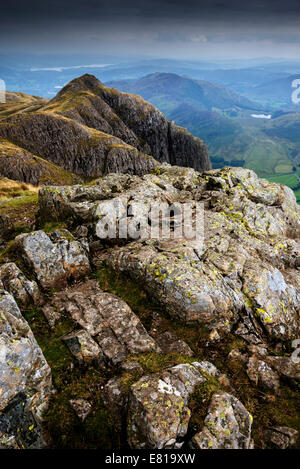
<point>90,130</point>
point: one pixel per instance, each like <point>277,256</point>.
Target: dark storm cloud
<point>151,27</point>
<point>21,11</point>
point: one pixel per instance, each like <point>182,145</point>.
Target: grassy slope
<point>289,180</point>
<point>227,139</point>
<point>20,102</point>
<point>265,147</point>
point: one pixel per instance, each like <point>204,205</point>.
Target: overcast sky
<point>161,28</point>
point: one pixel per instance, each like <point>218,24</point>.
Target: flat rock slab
<point>54,262</point>
<point>107,321</point>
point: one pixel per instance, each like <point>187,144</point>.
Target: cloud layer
<point>158,27</point>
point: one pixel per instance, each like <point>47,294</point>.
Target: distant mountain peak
<point>90,130</point>
<point>85,82</point>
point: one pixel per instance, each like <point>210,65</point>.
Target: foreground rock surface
<point>54,262</point>
<point>227,425</point>
<point>241,281</point>
<point>244,274</point>
<point>25,379</point>
<point>111,331</point>
<point>158,412</point>
<point>281,437</point>
<point>23,290</point>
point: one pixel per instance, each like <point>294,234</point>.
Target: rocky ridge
<point>89,130</point>
<point>153,343</point>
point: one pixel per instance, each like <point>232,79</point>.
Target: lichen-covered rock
<point>244,276</point>
<point>23,290</point>
<point>261,374</point>
<point>226,426</point>
<point>131,366</point>
<point>286,367</point>
<point>25,379</point>
<point>54,263</point>
<point>158,413</point>
<point>83,347</point>
<point>281,437</point>
<point>107,319</point>
<point>51,314</point>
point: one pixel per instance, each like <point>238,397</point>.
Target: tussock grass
<point>10,189</point>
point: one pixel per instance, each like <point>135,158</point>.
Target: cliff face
<point>167,142</point>
<point>74,147</point>
<point>22,165</point>
<point>132,119</point>
<point>91,130</point>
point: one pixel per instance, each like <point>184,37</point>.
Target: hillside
<point>167,90</point>
<point>285,127</point>
<point>277,92</point>
<point>90,130</point>
<point>224,120</point>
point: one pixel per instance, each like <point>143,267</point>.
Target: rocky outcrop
<point>90,130</point>
<point>131,119</point>
<point>261,374</point>
<point>54,262</point>
<point>231,291</point>
<point>22,165</point>
<point>281,437</point>
<point>286,367</point>
<point>74,147</point>
<point>84,348</point>
<point>158,412</point>
<point>111,332</point>
<point>226,426</point>
<point>23,290</point>
<point>81,407</point>
<point>170,343</point>
<point>244,273</point>
<point>25,380</point>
